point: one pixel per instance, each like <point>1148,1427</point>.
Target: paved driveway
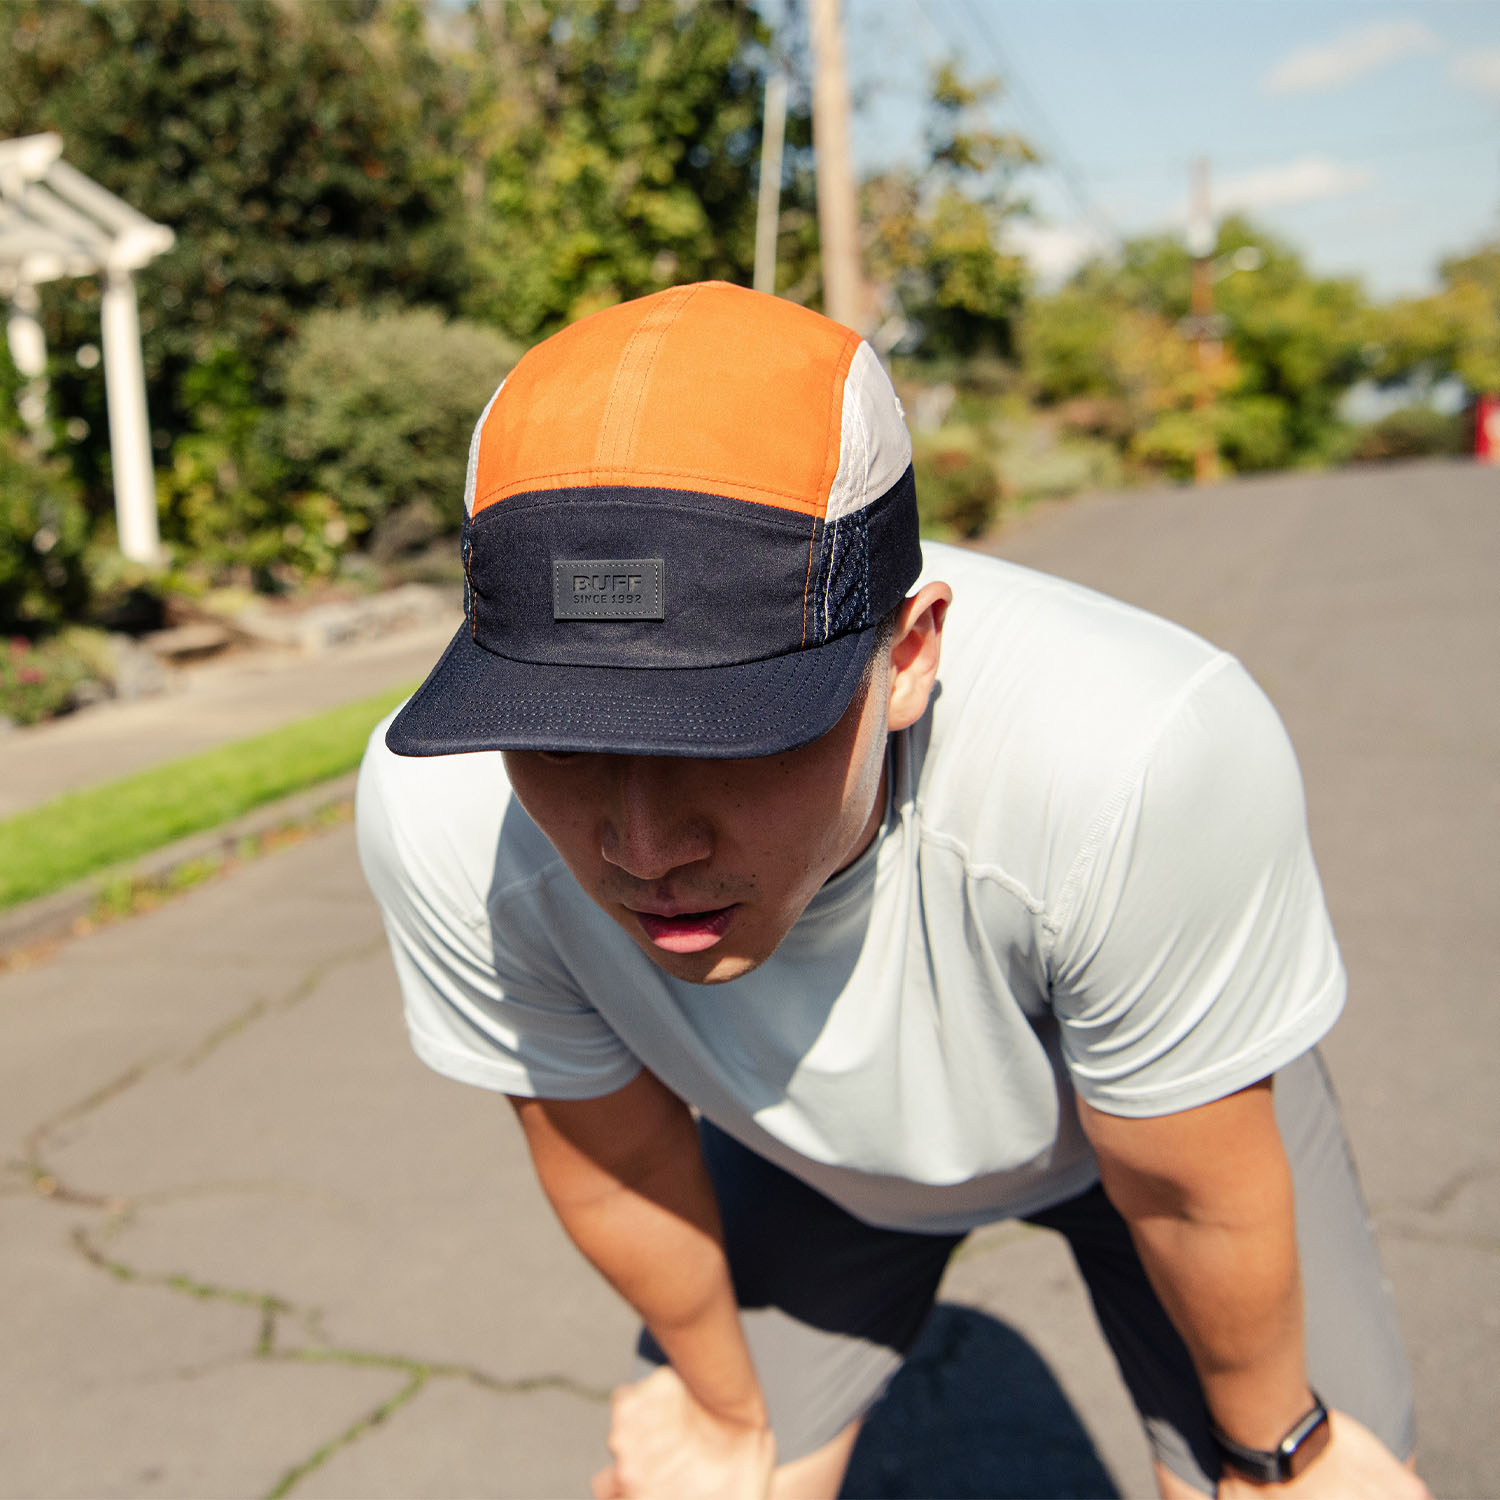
<point>249,1247</point>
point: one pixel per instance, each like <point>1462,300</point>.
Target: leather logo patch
<point>611,588</point>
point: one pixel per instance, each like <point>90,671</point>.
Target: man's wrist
<point>1296,1451</point>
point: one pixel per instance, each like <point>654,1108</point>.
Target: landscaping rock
<point>346,621</point>
<point>189,642</point>
<point>136,671</point>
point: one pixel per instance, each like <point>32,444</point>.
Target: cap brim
<point>475,700</point>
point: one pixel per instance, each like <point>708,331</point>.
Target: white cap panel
<point>874,447</point>
<point>471,478</point>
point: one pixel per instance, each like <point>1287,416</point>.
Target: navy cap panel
<point>868,559</point>
<point>474,700</point>
<point>734,577</point>
<point>741,582</point>
<point>895,544</point>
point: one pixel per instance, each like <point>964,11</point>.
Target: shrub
<point>40,679</point>
<point>226,508</point>
<point>958,491</point>
<point>43,530</point>
<point>1415,432</point>
<point>379,411</point>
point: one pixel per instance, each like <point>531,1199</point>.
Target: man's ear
<point>915,648</point>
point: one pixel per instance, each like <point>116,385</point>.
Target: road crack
<point>269,1345</point>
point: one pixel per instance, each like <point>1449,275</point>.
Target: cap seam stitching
<point>807,582</point>
<point>519,487</point>
<point>657,335</point>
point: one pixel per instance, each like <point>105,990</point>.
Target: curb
<point>51,917</point>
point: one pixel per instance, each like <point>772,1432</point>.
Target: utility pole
<point>768,204</point>
<point>1204,326</point>
<point>844,295</point>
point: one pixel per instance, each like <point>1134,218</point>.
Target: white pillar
<point>129,426</point>
<point>28,352</point>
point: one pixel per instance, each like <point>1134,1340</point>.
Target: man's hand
<point>668,1447</point>
<point>1355,1465</point>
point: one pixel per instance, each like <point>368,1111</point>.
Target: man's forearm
<point>1232,1289</point>
<point>626,1178</point>
<point>1209,1201</point>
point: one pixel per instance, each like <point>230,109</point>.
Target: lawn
<point>51,846</point>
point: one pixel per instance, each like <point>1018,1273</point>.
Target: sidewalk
<point>212,704</point>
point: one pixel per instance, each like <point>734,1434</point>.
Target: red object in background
<point>1487,429</point>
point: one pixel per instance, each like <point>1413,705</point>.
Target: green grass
<point>46,848</point>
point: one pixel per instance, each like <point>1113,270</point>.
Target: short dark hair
<point>885,633</point>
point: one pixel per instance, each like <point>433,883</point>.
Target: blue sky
<point>1368,134</point>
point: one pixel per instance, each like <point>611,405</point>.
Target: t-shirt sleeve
<point>1192,949</point>
<point>486,1000</point>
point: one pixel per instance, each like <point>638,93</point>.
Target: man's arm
<point>626,1178</point>
<point>1207,1194</point>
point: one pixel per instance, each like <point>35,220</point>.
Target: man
<point>941,897</point>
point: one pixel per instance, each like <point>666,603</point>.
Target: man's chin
<point>711,967</point>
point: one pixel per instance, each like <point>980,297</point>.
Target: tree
<point>1454,332</point>
<point>934,236</point>
<point>301,153</point>
<point>615,148</point>
<point>1294,343</point>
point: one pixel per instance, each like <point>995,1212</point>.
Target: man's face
<point>708,863</point>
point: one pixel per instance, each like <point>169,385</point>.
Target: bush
<point>227,511</point>
<point>40,679</point>
<point>1415,432</point>
<point>378,418</point>
<point>958,491</point>
<point>43,530</point>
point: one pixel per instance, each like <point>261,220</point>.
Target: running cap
<point>686,516</point>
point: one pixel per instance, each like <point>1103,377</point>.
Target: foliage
<point>10,390</point>
<point>301,154</point>
<point>1456,331</point>
<point>222,499</point>
<point>368,448</point>
<point>958,491</point>
<point>1415,432</point>
<point>43,533</point>
<point>39,679</point>
<point>48,847</point>
<point>1126,371</point>
<point>379,414</point>
<point>933,237</point>
<point>618,145</point>
<point>1293,344</point>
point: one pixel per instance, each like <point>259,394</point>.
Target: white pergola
<point>54,223</point>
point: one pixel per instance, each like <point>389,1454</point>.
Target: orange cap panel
<point>706,387</point>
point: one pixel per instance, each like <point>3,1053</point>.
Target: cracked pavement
<point>249,1247</point>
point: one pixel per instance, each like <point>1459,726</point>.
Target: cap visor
<point>475,700</point>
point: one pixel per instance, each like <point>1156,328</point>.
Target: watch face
<point>1303,1449</point>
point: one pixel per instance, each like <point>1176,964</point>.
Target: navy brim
<point>475,700</point>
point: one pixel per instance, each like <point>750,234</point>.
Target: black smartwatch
<point>1304,1441</point>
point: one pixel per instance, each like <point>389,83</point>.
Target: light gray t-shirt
<point>1094,875</point>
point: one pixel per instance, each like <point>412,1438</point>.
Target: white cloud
<point>1479,70</point>
<point>1053,251</point>
<point>1309,179</point>
<point>1350,55</point>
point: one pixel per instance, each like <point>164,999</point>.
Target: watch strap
<point>1303,1442</point>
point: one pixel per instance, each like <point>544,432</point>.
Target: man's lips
<point>685,931</point>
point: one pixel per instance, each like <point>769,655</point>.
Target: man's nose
<point>651,827</point>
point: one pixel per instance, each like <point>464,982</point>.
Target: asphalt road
<point>248,1246</point>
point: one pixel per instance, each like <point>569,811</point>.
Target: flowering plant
<point>37,680</point>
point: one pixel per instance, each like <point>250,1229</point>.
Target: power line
<point>1040,125</point>
<point>1037,122</point>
